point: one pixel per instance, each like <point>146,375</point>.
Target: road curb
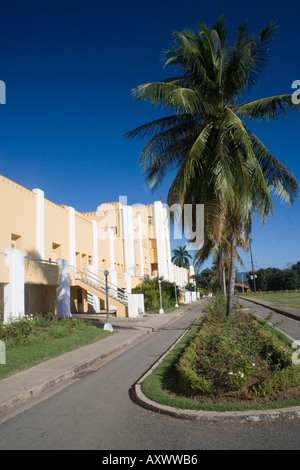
<point>215,416</point>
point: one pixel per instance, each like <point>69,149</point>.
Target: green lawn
<point>23,356</point>
<point>281,298</point>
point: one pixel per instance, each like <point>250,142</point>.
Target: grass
<point>286,299</point>
<point>43,343</point>
<point>154,385</point>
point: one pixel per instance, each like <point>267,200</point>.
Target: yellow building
<point>53,258</point>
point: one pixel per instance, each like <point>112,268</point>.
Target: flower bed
<point>235,358</point>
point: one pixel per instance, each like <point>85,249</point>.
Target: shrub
<point>28,328</point>
<point>238,356</point>
<point>150,289</point>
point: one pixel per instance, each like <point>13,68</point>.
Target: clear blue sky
<point>69,67</point>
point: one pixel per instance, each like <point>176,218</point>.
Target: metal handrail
<point>39,260</point>
<point>100,283</point>
<point>102,280</point>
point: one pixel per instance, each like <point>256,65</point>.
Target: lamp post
<point>107,326</point>
<point>253,274</point>
<point>176,305</point>
<point>161,310</point>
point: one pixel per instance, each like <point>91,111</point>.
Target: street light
<point>161,310</point>
<point>176,305</point>
<point>107,326</point>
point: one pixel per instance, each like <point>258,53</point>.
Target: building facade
<point>56,259</point>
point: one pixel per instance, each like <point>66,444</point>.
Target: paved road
<point>288,325</point>
<point>96,413</point>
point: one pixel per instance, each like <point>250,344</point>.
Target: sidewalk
<point>19,389</point>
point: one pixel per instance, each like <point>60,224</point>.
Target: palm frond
<point>278,178</point>
<point>266,108</point>
<point>169,96</point>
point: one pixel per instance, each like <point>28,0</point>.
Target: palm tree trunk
<point>224,282</point>
<point>230,299</point>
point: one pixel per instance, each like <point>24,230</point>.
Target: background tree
<point>181,257</point>
<point>274,279</point>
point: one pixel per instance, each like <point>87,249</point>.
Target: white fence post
<point>63,301</point>
<point>14,291</point>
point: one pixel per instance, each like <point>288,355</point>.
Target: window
<point>56,251</point>
<point>154,269</point>
<point>84,260</point>
<point>153,244</point>
<point>16,241</point>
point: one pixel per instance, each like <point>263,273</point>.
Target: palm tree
<point>181,257</point>
<point>217,243</point>
<point>219,161</point>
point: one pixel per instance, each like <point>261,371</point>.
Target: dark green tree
<point>181,257</point>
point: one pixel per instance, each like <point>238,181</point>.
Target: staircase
<point>97,285</point>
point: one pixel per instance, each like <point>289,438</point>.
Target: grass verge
<point>285,299</point>
<point>40,348</point>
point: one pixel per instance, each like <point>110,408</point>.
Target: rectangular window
<point>56,251</point>
<point>154,269</point>
<point>16,241</point>
<point>153,243</point>
<point>84,260</point>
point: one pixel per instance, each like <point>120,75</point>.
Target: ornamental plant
<point>150,289</point>
<point>235,356</point>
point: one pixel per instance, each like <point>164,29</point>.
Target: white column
<point>40,223</point>
<point>181,277</point>
<point>72,236</point>
<point>128,240</point>
<point>95,244</point>
<point>160,240</point>
<point>63,301</point>
<point>192,273</point>
<point>128,283</point>
<point>14,292</point>
<point>2,352</point>
<point>169,261</point>
<point>141,246</point>
<point>112,271</point>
